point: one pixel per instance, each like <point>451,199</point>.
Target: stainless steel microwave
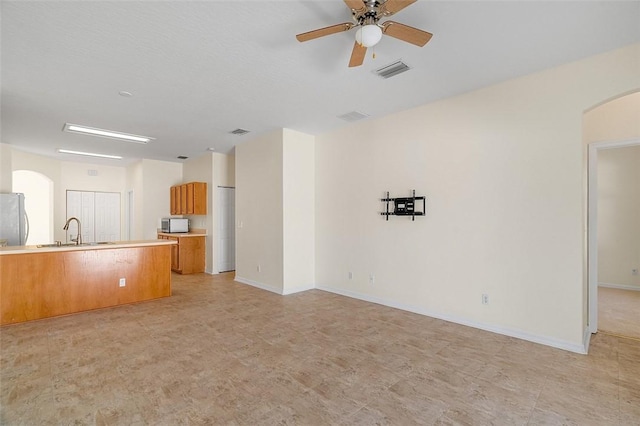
<point>176,225</point>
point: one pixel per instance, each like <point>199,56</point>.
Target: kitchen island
<point>45,281</point>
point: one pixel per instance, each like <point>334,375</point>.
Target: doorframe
<point>217,226</point>
<point>592,224</point>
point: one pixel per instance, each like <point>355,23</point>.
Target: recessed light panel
<point>75,128</point>
<point>89,154</point>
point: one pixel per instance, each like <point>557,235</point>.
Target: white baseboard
<point>619,286</point>
<point>257,284</point>
<point>298,289</point>
<point>519,334</point>
<point>273,289</point>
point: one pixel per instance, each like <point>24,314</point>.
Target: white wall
<point>157,179</point>
<point>619,216</point>
<point>259,211</point>
<point>298,219</point>
<point>502,169</point>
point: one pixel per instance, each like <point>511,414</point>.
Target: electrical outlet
<point>123,282</point>
<point>634,271</point>
<point>485,299</point>
<point>372,279</point>
<point>350,275</point>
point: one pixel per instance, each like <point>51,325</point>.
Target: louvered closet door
<point>99,214</point>
<point>107,216</point>
<point>80,204</point>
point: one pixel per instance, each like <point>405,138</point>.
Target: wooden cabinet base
<point>188,256</point>
<point>42,285</point>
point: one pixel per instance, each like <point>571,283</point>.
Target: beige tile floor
<point>619,311</point>
<point>218,352</point>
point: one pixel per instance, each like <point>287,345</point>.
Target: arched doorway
<point>38,199</point>
<point>613,137</point>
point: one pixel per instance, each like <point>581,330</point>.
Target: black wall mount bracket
<point>405,206</point>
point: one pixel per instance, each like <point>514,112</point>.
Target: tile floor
<point>219,352</point>
<point>619,311</point>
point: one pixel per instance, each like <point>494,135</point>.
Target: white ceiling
<point>198,70</point>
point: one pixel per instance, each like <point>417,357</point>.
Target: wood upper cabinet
<point>188,256</point>
<point>189,198</point>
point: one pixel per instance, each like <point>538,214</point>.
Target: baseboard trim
<point>298,289</point>
<point>543,340</point>
<point>257,284</point>
<point>619,286</point>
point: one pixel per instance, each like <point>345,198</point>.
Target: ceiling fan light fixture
<point>369,35</point>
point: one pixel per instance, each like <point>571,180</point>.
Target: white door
<point>226,229</point>
<point>99,215</point>
<point>107,216</point>
<point>80,204</point>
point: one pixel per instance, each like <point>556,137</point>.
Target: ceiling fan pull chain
<point>374,52</point>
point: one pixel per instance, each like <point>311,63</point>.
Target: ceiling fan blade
<point>357,55</point>
<point>355,4</point>
<point>321,32</point>
<point>395,6</point>
<point>406,33</point>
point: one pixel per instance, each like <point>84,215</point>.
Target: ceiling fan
<point>366,15</point>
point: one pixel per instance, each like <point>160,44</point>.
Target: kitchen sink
<point>99,243</point>
<point>57,245</point>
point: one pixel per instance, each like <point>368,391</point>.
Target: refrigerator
<point>14,223</point>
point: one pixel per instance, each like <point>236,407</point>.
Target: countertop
<point>192,233</point>
<point>86,246</point>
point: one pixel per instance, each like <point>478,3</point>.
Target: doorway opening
<point>613,228</point>
<point>38,203</point>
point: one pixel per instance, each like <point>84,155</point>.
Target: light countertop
<point>85,246</point>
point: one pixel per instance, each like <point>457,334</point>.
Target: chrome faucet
<point>66,227</point>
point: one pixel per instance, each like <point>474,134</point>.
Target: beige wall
<point>619,216</point>
<point>502,169</point>
<point>259,212</point>
<point>616,120</point>
<point>298,183</point>
<point>134,183</point>
<point>5,168</point>
<point>157,178</point>
<point>149,179</point>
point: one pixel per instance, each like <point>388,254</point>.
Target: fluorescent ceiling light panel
<point>75,128</point>
<point>89,154</point>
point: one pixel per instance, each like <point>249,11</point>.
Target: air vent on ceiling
<point>182,157</point>
<point>239,132</point>
<point>391,70</point>
<point>353,116</point>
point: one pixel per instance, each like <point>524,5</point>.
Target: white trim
<point>298,289</point>
<point>592,225</point>
<point>560,344</point>
<point>257,284</point>
<point>586,340</point>
<point>620,286</point>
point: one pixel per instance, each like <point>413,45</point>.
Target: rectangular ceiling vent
<point>391,70</point>
<point>353,116</point>
<point>239,132</point>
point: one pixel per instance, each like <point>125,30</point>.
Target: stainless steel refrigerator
<point>14,223</point>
